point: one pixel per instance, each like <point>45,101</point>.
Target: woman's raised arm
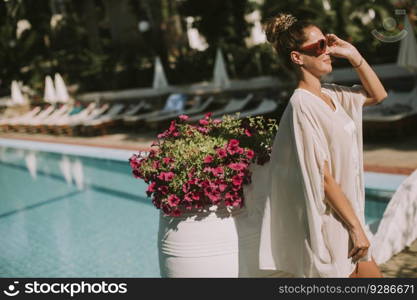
<point>370,81</point>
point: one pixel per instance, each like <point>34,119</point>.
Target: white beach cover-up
<point>398,227</point>
<point>301,234</point>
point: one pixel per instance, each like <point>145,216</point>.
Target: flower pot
<point>220,242</point>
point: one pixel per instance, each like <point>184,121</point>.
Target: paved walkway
<point>398,157</point>
<point>404,264</point>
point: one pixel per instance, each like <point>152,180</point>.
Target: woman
<point>313,224</point>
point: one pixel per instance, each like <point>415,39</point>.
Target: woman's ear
<point>296,58</point>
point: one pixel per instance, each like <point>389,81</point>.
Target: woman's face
<point>317,65</point>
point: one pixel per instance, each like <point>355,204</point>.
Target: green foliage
<point>99,49</point>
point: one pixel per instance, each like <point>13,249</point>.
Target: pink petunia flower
<point>221,153</point>
<point>237,166</point>
<point>183,117</point>
<point>203,122</point>
<point>195,196</point>
<point>205,183</point>
<point>222,186</point>
<point>233,143</point>
<point>163,189</point>
<point>250,153</point>
<point>208,115</point>
<point>166,209</point>
<point>151,187</point>
<point>192,180</point>
<point>218,171</point>
<point>188,198</point>
<point>208,159</point>
<point>162,135</point>
<point>173,200</point>
<point>214,197</point>
<point>152,153</point>
<point>156,164</point>
<point>166,176</point>
<point>240,150</point>
<point>156,202</point>
<point>185,187</point>
<point>172,126</point>
<point>203,129</point>
<point>247,132</point>
<point>232,148</point>
<point>136,173</point>
<point>237,201</point>
<point>208,169</point>
<point>135,161</point>
<point>167,160</point>
<point>237,180</point>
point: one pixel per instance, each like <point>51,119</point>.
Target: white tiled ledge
<point>89,151</point>
<point>373,180</point>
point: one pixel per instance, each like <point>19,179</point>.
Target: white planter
<point>217,243</point>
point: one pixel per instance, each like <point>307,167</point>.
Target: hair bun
<point>277,25</point>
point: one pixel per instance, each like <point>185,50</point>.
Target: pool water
<point>74,216</point>
<point>374,208</point>
<point>65,215</point>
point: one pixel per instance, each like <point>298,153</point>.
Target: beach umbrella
<point>220,76</point>
<point>61,91</point>
<point>159,78</point>
<point>407,55</point>
<point>17,96</point>
<point>49,93</point>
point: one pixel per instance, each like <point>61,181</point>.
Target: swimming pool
<point>66,215</point>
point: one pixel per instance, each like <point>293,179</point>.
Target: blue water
<point>104,226</point>
<point>51,227</point>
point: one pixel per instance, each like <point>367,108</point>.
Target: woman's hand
<point>343,49</point>
<point>360,243</point>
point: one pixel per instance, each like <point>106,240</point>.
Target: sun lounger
<point>102,125</point>
<point>394,107</point>
<point>48,125</point>
<point>57,126</point>
<point>174,103</point>
<point>23,125</point>
<point>266,106</point>
<point>6,124</point>
<point>74,126</point>
<point>115,110</point>
<point>89,126</point>
<point>233,106</point>
<point>395,116</point>
<point>37,125</point>
<point>201,107</point>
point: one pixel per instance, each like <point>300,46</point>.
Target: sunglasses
<point>315,49</point>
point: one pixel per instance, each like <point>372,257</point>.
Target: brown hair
<point>286,34</point>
